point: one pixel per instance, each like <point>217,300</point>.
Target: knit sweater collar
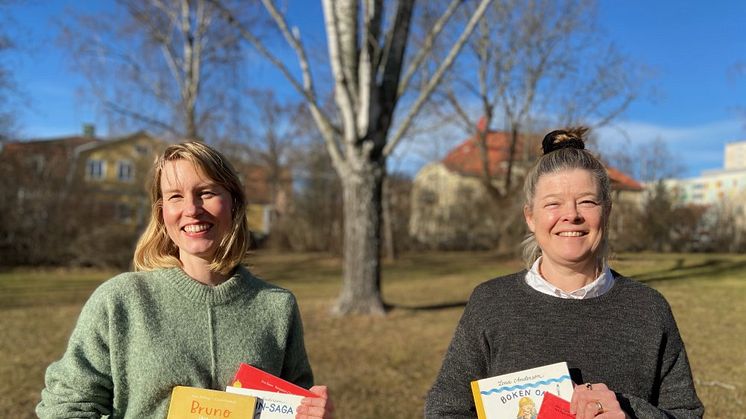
<point>239,283</point>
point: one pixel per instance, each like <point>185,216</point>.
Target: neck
<point>569,278</point>
<point>200,271</point>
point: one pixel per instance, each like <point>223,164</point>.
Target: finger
<point>313,401</point>
<point>321,391</point>
<point>579,395</point>
<point>312,412</point>
<point>593,408</point>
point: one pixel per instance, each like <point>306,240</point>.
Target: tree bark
<point>361,282</point>
<point>388,222</point>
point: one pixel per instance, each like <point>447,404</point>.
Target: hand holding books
<point>590,400</point>
<point>280,399</point>
<point>316,407</point>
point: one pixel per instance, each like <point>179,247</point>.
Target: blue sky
<point>691,48</point>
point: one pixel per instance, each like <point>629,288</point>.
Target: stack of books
<point>254,394</point>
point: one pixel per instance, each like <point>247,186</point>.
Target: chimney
<point>89,130</point>
<point>482,125</point>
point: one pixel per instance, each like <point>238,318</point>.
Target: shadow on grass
<point>707,268</point>
<point>430,307</point>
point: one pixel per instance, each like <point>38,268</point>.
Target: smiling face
<point>196,211</point>
<point>567,219</point>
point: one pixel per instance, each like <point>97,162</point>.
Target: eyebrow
<point>582,195</point>
<point>204,185</point>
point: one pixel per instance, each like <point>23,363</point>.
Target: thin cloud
<point>699,147</point>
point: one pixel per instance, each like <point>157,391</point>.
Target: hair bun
<point>564,138</point>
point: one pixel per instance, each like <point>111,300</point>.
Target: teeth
<point>196,228</point>
<point>571,233</point>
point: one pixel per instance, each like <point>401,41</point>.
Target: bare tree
<point>267,133</point>
<point>161,64</point>
<point>532,61</point>
<point>366,57</point>
<point>9,92</point>
<point>648,161</point>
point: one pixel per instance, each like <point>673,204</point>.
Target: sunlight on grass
<point>382,367</point>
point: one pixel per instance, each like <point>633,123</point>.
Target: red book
<point>553,407</point>
<point>254,378</point>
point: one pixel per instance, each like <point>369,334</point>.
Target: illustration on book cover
<point>519,394</point>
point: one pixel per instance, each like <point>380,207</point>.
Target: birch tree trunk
<point>361,283</point>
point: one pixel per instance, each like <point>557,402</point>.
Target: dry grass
<point>382,367</point>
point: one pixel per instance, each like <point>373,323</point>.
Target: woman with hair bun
<point>618,337</point>
<point>189,314</point>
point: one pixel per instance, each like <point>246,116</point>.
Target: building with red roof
<point>450,206</point>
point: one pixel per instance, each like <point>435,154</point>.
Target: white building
<point>735,156</point>
<point>723,187</point>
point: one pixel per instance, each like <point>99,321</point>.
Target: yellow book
<point>200,403</point>
<point>520,394</point>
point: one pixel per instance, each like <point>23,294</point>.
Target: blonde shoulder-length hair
<point>155,249</point>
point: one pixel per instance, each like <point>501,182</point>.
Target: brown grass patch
<point>382,367</point>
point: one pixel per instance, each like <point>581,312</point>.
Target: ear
<point>528,216</point>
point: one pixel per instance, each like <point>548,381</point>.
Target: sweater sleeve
<point>677,397</point>
<point>467,359</point>
<point>296,367</point>
<point>80,385</point>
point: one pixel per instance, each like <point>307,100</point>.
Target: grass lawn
<point>382,367</point>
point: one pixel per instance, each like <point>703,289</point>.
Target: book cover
<point>519,394</point>
<point>254,378</point>
<point>200,403</point>
<point>553,407</point>
<point>270,404</point>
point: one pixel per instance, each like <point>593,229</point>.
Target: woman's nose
<point>572,213</point>
<point>193,206</point>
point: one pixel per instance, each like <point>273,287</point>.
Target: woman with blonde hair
<point>618,336</point>
<point>189,314</point>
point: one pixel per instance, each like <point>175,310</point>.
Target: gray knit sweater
<point>626,338</point>
<point>140,334</point>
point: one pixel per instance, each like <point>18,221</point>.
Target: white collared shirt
<point>598,287</point>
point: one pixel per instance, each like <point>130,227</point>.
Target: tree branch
<point>427,46</point>
<point>396,138</point>
<point>307,90</point>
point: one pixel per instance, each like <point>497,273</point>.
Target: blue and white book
<point>519,394</point>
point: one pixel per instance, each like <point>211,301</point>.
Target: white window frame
<point>92,174</point>
<point>131,174</point>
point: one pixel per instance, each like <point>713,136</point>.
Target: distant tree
<point>538,62</point>
<point>266,136</point>
<point>10,96</point>
<point>163,65</point>
<point>314,220</point>
<point>648,161</point>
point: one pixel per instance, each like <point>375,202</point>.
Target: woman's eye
<point>588,203</point>
<point>207,193</point>
<point>174,197</point>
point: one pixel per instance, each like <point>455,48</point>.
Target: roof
<point>47,145</point>
<point>620,181</point>
<point>465,159</point>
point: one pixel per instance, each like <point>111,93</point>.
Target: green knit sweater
<point>140,334</point>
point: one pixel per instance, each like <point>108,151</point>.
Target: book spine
<point>481,414</point>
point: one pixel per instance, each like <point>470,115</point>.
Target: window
<point>141,149</point>
<point>37,162</point>
<point>125,171</point>
<point>95,169</point>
